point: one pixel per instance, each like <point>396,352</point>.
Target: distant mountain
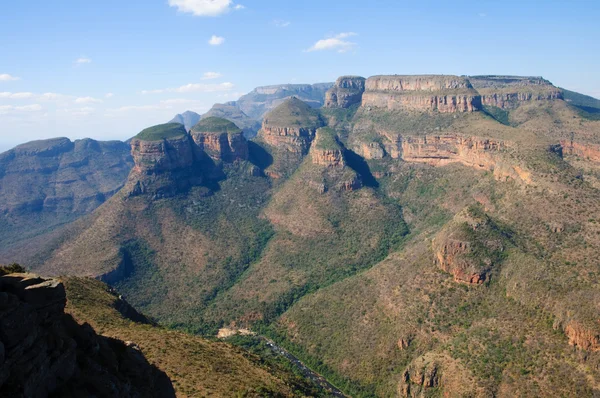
<point>47,183</point>
<point>262,99</point>
<point>188,119</point>
<point>590,106</point>
<point>233,113</point>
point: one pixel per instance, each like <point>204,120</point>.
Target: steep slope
<point>45,352</point>
<point>188,118</point>
<point>44,184</point>
<point>233,113</point>
<point>263,99</point>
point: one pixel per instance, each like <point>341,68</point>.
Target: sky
<point>107,69</point>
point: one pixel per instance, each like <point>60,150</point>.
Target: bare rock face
<point>289,130</point>
<point>220,139</point>
<point>583,150</point>
<point>469,246</point>
<point>425,93</point>
<point>582,337</point>
<point>169,154</point>
<point>347,91</point>
<point>326,151</point>
<point>508,92</point>
<point>45,352</point>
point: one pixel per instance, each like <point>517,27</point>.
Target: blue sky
<point>107,69</point>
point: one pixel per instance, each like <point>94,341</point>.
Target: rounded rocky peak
<point>162,132</point>
<point>294,113</point>
<point>215,124</point>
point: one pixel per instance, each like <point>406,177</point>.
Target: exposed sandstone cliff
<point>584,150</point>
<point>45,352</point>
<point>347,91</point>
<point>445,94</point>
<point>469,246</point>
<point>326,151</point>
<point>508,92</point>
<point>220,139</point>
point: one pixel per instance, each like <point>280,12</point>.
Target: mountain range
<point>402,235</point>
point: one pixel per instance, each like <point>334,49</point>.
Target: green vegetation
<point>498,114</point>
<point>11,269</point>
<point>294,113</point>
<point>216,125</point>
<point>326,138</point>
<point>162,132</point>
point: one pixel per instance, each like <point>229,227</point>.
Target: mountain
<point>262,99</point>
<point>418,235</point>
<point>45,184</point>
<point>188,119</point>
<point>231,112</point>
<point>99,345</point>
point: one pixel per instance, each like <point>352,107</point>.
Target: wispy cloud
<point>211,75</point>
<point>87,100</point>
<point>335,43</point>
<point>205,8</point>
<point>194,87</point>
<point>24,95</point>
<point>280,23</point>
<point>216,40</point>
<point>109,95</point>
<point>82,61</point>
<point>5,109</point>
<point>5,77</point>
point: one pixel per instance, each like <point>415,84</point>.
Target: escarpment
<point>46,352</point>
<point>584,150</point>
<point>508,92</point>
<point>347,91</point>
<point>168,159</point>
<point>444,94</point>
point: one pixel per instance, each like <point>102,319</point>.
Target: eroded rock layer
<point>508,92</point>
<point>445,94</point>
<point>347,91</point>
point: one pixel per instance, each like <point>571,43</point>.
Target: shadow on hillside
<point>259,156</point>
<point>358,164</point>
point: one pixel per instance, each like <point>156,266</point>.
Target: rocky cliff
<point>347,91</point>
<point>45,352</point>
<point>583,150</point>
<point>60,176</point>
<point>263,99</point>
<point>168,159</point>
<point>508,92</point>
<point>444,94</point>
<point>289,130</point>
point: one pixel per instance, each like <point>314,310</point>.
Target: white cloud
<point>280,23</point>
<point>4,109</point>
<point>51,96</point>
<point>87,100</point>
<point>83,60</point>
<point>109,95</point>
<point>335,43</point>
<point>78,112</point>
<point>205,8</point>
<point>5,77</point>
<point>25,95</point>
<point>211,75</point>
<point>216,40</point>
<point>194,87</point>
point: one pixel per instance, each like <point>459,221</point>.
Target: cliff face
<point>170,154</point>
<point>508,92</point>
<point>44,351</point>
<point>60,176</point>
<point>347,91</point>
<point>445,94</point>
<point>584,150</point>
<point>220,139</point>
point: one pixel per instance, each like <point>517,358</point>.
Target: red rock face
<point>162,156</point>
<point>222,146</point>
<point>347,91</point>
<point>445,94</point>
<point>291,139</point>
<point>582,337</point>
<point>587,151</point>
<point>512,100</point>
<point>448,256</point>
<point>328,158</point>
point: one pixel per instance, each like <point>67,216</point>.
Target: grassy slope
<point>196,366</point>
<point>214,124</point>
<point>162,132</point>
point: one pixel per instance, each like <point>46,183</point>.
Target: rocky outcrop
<point>45,352</point>
<point>424,93</point>
<point>170,154</point>
<point>469,246</point>
<point>508,92</point>
<point>261,100</point>
<point>347,91</point>
<point>584,150</point>
<point>220,139</point>
<point>582,337</point>
<point>326,151</point>
<point>61,177</point>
